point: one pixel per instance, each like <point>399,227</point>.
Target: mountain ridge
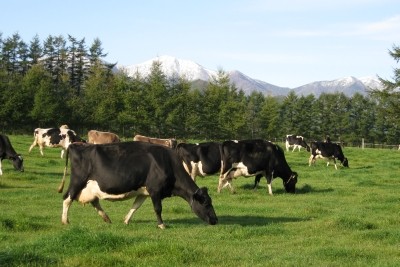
<point>193,71</point>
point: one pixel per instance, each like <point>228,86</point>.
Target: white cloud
<point>307,5</point>
<point>389,25</point>
<point>385,29</point>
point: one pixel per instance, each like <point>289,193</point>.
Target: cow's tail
<point>61,187</point>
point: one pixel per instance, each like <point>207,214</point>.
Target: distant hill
<point>199,75</point>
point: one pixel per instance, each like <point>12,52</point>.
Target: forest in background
<point>65,81</point>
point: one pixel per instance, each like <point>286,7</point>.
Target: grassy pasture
<point>344,217</point>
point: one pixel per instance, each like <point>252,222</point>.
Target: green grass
<point>344,217</point>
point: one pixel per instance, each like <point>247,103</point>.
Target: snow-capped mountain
<point>349,86</point>
<point>173,66</point>
<point>193,72</point>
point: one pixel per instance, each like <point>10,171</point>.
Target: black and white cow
<point>329,151</point>
<point>53,137</point>
<point>200,159</point>
<point>255,158</point>
<point>119,171</point>
<point>296,141</point>
<point>7,152</point>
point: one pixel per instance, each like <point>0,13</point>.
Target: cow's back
<point>122,167</point>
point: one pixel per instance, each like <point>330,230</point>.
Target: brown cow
<point>164,142</point>
<point>97,137</point>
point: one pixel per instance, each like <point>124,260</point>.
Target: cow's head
<point>290,184</point>
<point>202,206</point>
<point>345,162</point>
<point>18,162</point>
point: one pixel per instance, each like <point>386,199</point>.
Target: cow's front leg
<point>158,210</point>
<point>311,160</point>
<point>41,150</point>
<point>135,206</point>
<point>334,161</point>
<point>257,181</point>
<point>269,184</point>
<point>96,204</point>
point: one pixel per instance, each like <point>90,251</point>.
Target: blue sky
<point>286,43</point>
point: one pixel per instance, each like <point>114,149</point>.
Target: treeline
<point>64,81</point>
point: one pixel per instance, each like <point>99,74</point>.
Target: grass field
<point>344,217</point>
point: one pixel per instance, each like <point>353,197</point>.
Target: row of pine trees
<point>65,81</point>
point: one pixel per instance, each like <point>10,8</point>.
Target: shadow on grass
<point>242,220</point>
<point>363,167</point>
<point>6,186</point>
<point>305,189</point>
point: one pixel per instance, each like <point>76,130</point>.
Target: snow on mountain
<point>371,82</point>
<point>193,72</point>
<point>173,66</point>
<point>348,85</point>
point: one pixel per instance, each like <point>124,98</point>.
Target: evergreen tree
<point>333,115</point>
<point>255,103</point>
<point>47,105</point>
<point>157,92</point>
<point>222,116</point>
<point>389,101</point>
<point>361,119</point>
<point>270,119</point>
<point>35,51</point>
<point>307,116</point>
<point>96,51</point>
<point>13,54</point>
<point>195,103</point>
<point>177,107</point>
<point>133,116</point>
<point>289,113</point>
<point>101,102</point>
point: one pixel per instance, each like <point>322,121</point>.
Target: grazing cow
<point>200,159</point>
<point>164,142</point>
<point>97,137</point>
<point>120,171</point>
<point>329,151</point>
<point>7,152</point>
<point>255,158</point>
<point>297,141</point>
<point>53,137</point>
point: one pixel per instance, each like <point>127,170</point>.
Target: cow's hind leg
<point>96,204</point>
<point>224,182</point>
<point>66,204</point>
<point>135,206</point>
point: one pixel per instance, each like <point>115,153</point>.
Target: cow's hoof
<point>161,226</point>
<point>106,219</point>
